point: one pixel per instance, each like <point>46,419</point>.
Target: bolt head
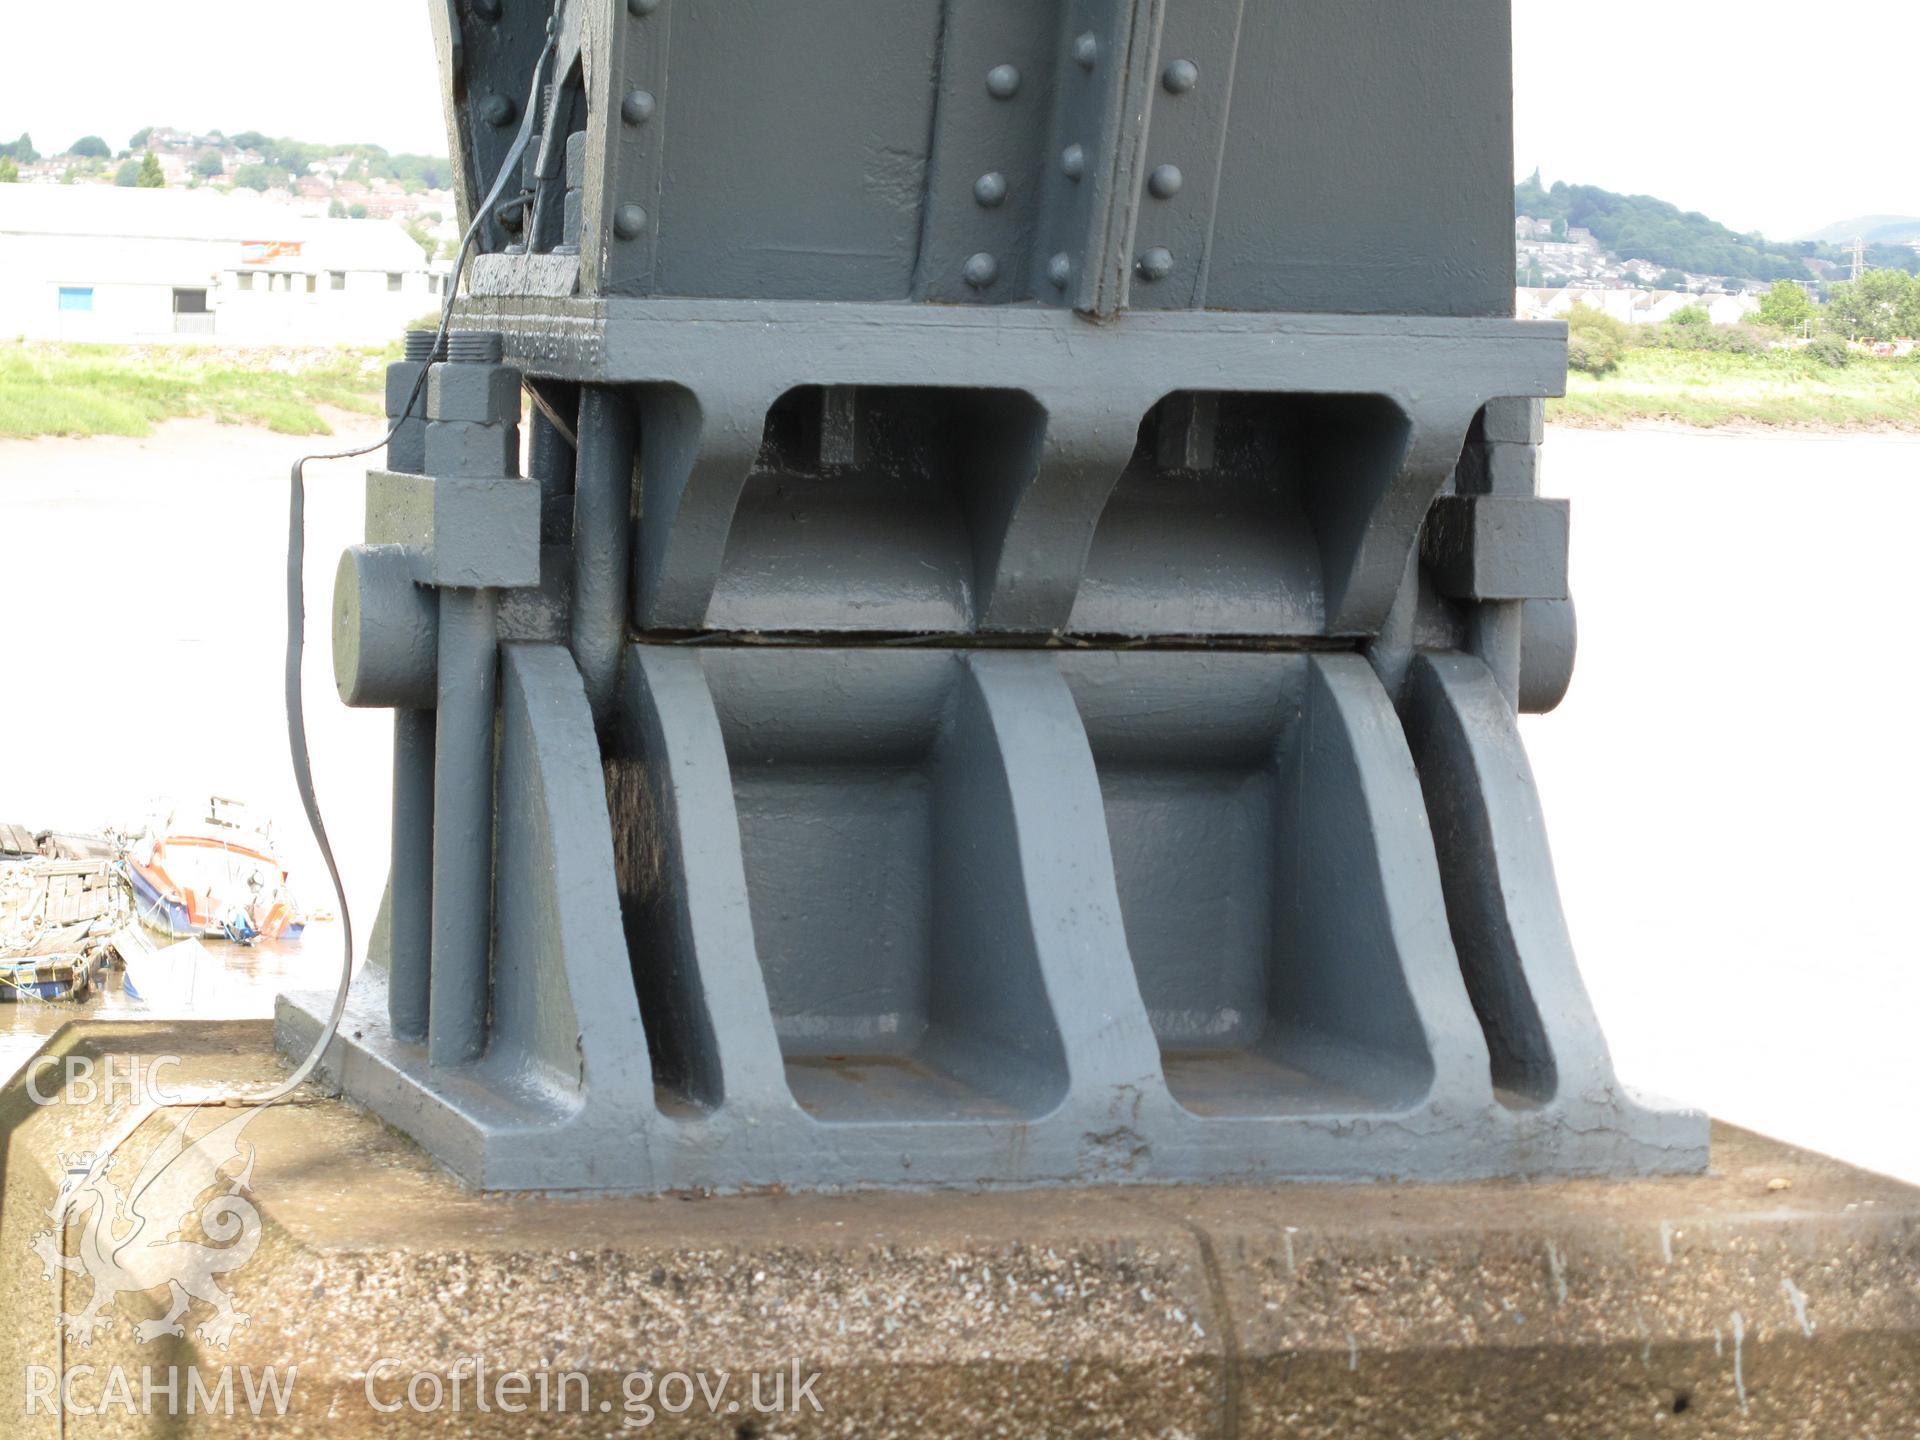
<point>1180,77</point>
<point>1165,181</point>
<point>1003,82</point>
<point>1073,160</point>
<point>1086,50</point>
<point>990,189</point>
<point>482,393</point>
<point>1156,264</point>
<point>1060,270</point>
<point>472,447</point>
<point>637,108</point>
<point>981,270</point>
<point>629,222</point>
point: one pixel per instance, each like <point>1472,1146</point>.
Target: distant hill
<point>1874,229</point>
<point>1640,227</point>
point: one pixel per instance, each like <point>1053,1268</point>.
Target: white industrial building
<point>104,264</point>
<point>1635,307</point>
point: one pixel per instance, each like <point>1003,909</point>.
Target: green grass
<point>127,390</point>
<point>1708,390</point>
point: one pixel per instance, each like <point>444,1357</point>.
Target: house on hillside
<point>101,263</point>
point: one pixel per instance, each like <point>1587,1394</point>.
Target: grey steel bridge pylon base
<point>1005,667</point>
<point>1291,1004</point>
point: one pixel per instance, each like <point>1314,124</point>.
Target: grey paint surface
<point>1007,664</point>
<point>1017,1044</point>
<point>1345,158</point>
<point>1367,162</point>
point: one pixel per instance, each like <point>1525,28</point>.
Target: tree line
<point>282,160</point>
<point>1640,227</point>
<point>1882,305</point>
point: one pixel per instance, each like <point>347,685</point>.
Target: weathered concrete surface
<point>1779,1295</point>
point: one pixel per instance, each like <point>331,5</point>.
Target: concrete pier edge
<point>1778,1294</point>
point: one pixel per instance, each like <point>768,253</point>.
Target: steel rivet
<point>642,7</point>
<point>1073,160</point>
<point>1060,270</point>
<point>497,110</point>
<point>487,9</point>
<point>629,222</point>
<point>1180,77</point>
<point>990,189</point>
<point>981,270</point>
<point>1165,181</point>
<point>1003,82</point>
<point>1156,264</point>
<point>637,108</point>
<point>1086,49</point>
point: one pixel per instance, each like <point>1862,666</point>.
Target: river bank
<point>1777,391</point>
<point>127,390</point>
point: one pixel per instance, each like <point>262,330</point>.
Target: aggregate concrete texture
<point>1777,1295</point>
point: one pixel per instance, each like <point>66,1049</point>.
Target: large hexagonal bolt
<point>473,410</point>
<point>407,446</point>
<point>480,522</point>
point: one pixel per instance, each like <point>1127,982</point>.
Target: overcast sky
<point>1764,115</point>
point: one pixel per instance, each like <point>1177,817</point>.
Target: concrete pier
<point>1777,1295</point>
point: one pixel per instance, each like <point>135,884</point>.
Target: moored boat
<point>211,870</point>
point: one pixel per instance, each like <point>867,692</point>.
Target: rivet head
<point>1086,50</point>
<point>642,7</point>
<point>1073,160</point>
<point>487,9</point>
<point>1060,270</point>
<point>1156,264</point>
<point>1180,77</point>
<point>1165,181</point>
<point>1003,82</point>
<point>981,270</point>
<point>497,110</point>
<point>629,222</point>
<point>990,189</point>
<point>637,108</point>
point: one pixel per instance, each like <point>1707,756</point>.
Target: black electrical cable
<point>296,585</point>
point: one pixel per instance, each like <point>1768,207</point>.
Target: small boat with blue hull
<point>211,871</point>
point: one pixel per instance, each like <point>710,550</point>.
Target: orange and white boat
<point>211,870</point>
